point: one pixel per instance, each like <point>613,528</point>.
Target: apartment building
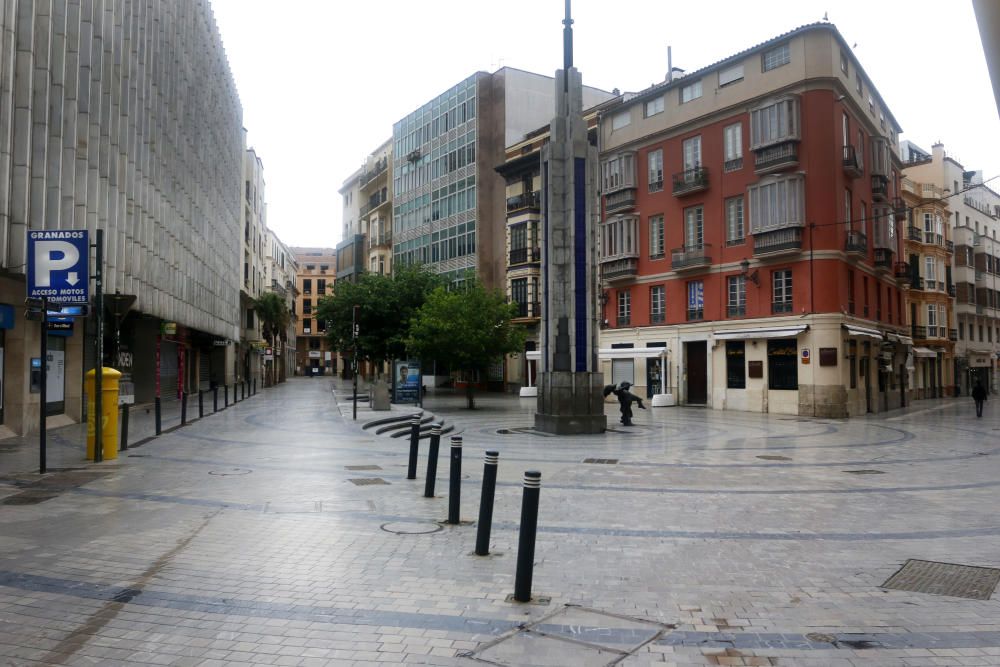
<point>280,269</point>
<point>974,224</point>
<point>375,209</point>
<point>352,254</point>
<point>251,348</point>
<point>317,273</point>
<point>93,137</point>
<point>750,235</point>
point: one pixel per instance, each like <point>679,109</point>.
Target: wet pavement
<point>279,531</point>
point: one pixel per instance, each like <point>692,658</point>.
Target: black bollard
<point>215,399</point>
<point>432,460</point>
<point>184,408</point>
<point>201,404</point>
<point>225,396</point>
<point>156,407</point>
<point>243,390</point>
<point>255,385</point>
<point>486,503</point>
<point>455,481</point>
<point>235,397</point>
<point>526,538</point>
<point>124,441</point>
<point>411,470</point>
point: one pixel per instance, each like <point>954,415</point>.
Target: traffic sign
<point>58,265</point>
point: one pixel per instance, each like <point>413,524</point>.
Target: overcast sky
<point>323,81</point>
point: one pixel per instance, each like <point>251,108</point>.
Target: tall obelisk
<point>569,385</point>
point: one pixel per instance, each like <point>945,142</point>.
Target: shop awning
<point>760,332</point>
<point>899,338</point>
<point>924,352</point>
<point>855,330</point>
<point>631,352</point>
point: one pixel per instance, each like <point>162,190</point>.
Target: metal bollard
<point>432,460</point>
<point>156,408</point>
<point>225,396</point>
<point>526,538</point>
<point>411,470</point>
<point>243,390</point>
<point>215,399</point>
<point>235,398</point>
<point>124,440</point>
<point>184,408</point>
<point>201,404</point>
<point>486,503</point>
<point>455,480</point>
<point>255,385</point>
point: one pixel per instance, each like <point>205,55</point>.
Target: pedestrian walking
<point>625,400</point>
<point>979,396</point>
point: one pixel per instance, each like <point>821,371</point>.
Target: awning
<point>924,352</point>
<point>631,352</point>
<point>760,332</point>
<point>899,338</point>
<point>855,330</point>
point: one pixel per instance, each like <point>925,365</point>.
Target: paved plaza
<point>280,532</point>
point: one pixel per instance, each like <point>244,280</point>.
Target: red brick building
<point>751,255</point>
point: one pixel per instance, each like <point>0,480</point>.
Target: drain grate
<point>363,468</point>
<point>774,457</point>
<point>962,581</point>
<point>367,481</point>
<point>865,472</point>
<point>601,461</point>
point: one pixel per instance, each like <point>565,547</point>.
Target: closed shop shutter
<point>623,370</point>
<point>204,369</point>
<point>168,371</point>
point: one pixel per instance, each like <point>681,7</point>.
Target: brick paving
<point>715,539</point>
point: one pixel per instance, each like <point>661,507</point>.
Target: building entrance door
<point>867,377</point>
<point>696,370</point>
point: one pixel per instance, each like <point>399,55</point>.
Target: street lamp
<point>745,272</point>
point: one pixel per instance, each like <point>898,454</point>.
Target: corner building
<point>750,254</point>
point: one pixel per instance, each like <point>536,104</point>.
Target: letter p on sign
<point>53,256</point>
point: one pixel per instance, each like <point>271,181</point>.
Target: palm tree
<point>274,318</point>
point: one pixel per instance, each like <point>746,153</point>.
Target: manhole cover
<point>603,461</point>
<point>411,527</point>
<point>774,457</point>
<point>367,481</point>
<point>228,472</point>
<point>961,581</point>
<point>865,472</point>
<point>363,467</point>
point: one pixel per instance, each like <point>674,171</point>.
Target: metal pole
<point>354,336</point>
<point>184,408</point>
<point>225,396</point>
<point>486,503</point>
<point>432,460</point>
<point>201,404</point>
<point>255,385</point>
<point>124,442</point>
<point>157,415</point>
<point>43,348</point>
<point>99,365</point>
<point>411,470</point>
<point>455,481</point>
<point>526,538</point>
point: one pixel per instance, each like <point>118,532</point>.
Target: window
<point>321,286</point>
<point>307,305</point>
<point>656,236</point>
<point>307,286</point>
<point>776,203</point>
<point>694,227</point>
<point>864,295</point>
<point>619,237</point>
<point>696,300</point>
<point>857,82</point>
<point>324,268</point>
<point>692,91</point>
<point>736,363</point>
<point>306,325</point>
<point>734,221</point>
<point>930,274</point>
<point>310,267</point>
<point>250,318</point>
<point>692,156</point>
<point>774,123</point>
<point>321,326</point>
<point>624,307</point>
<point>782,364</point>
<point>733,142</point>
<point>618,172</point>
<point>730,74</point>
<point>932,320</point>
<point>776,57</point>
<point>843,63</point>
<point>781,291</point>
<point>961,330</point>
<point>736,304</point>
<point>314,343</point>
<point>620,120</point>
<point>655,161</point>
<point>654,106</point>
<point>847,208</point>
<point>657,304</point>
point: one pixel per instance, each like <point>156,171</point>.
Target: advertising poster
<point>406,381</point>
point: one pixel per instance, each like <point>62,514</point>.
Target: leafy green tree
<point>386,304</point>
<point>274,318</point>
<point>470,327</point>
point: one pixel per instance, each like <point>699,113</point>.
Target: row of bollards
<point>529,500</point>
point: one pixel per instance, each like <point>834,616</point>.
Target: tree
<point>386,304</point>
<point>470,327</point>
<point>274,317</point>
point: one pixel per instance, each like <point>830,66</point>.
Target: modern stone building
<point>317,272</point>
<point>121,116</point>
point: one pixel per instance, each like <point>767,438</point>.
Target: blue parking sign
<point>58,265</point>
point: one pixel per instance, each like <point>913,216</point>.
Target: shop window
<point>782,364</point>
<point>736,377</point>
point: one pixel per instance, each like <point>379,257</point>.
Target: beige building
<point>317,272</point>
<point>375,212</point>
<point>253,241</point>
<point>280,269</point>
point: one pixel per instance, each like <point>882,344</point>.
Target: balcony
<point>901,270</point>
<point>690,257</point>
<point>899,208</point>
<point>914,234</point>
<point>619,268</point>
<point>949,246</point>
<point>856,243</point>
<point>853,166</point>
<point>918,331</point>
<point>883,260</point>
<point>531,200</point>
<point>525,309</point>
<point>377,168</point>
<point>776,157</point>
<point>916,282</point>
<point>733,165</point>
<point>620,200</point>
<point>783,240</point>
<point>953,334</point>
<point>525,255</point>
<point>880,188</point>
<point>694,314</point>
<point>690,181</point>
<point>778,307</point>
<point>736,311</point>
<point>952,291</point>
<point>375,201</point>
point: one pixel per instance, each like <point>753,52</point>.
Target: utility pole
<point>354,335</point>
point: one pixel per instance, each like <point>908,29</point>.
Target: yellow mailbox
<point>109,408</point>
